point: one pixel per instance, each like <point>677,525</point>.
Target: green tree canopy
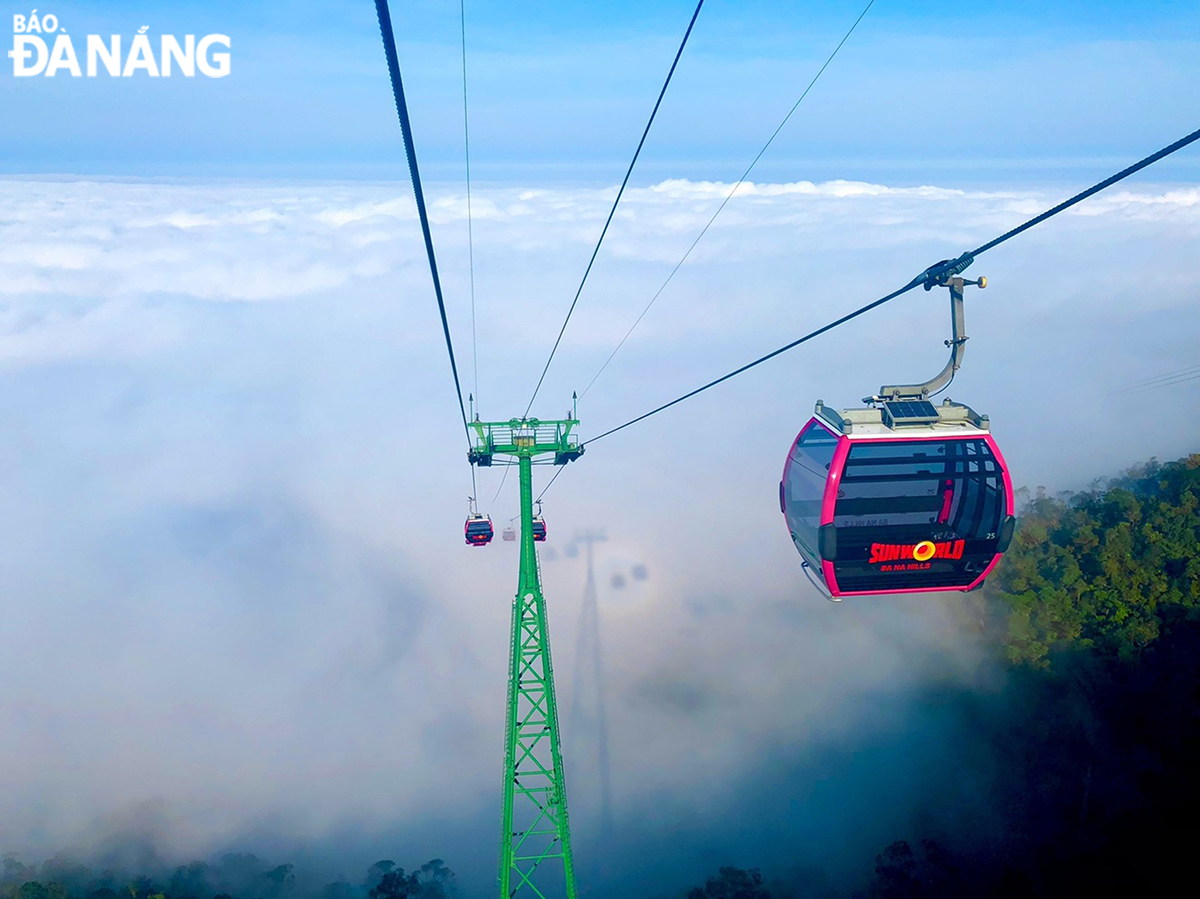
<point>1107,569</point>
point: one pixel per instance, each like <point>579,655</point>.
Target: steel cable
<point>393,63</point>
<point>927,278</point>
<point>462,8</point>
<point>613,211</point>
<point>1163,380</point>
<point>728,197</point>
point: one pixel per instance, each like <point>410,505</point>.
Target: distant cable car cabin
<point>509,534</point>
<point>902,496</point>
<point>478,529</point>
<point>539,524</point>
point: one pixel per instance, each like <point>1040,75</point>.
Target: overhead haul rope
<point>612,211</point>
<point>561,469</point>
<point>728,197</point>
<point>503,478</point>
<point>462,8</point>
<point>1165,380</point>
<point>393,63</point>
<point>928,278</point>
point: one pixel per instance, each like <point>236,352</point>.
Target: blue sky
<point>934,91</point>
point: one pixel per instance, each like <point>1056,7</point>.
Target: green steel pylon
<point>535,829</point>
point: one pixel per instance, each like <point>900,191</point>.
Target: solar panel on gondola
<point>909,411</point>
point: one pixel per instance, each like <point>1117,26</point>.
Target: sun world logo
<point>41,46</point>
<point>922,552</point>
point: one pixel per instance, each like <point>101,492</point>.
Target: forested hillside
<point>1096,612</point>
<point>1108,571</point>
<point>1093,751</point>
<point>232,876</point>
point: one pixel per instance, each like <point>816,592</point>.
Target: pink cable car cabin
<point>901,497</point>
<point>478,530</point>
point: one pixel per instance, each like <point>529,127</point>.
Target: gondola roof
<point>890,419</point>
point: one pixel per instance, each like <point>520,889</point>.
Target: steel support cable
<point>389,46</point>
<point>561,469</point>
<point>612,212</point>
<point>728,197</point>
<point>393,63</point>
<point>1095,188</point>
<point>503,478</point>
<point>462,8</point>
<point>928,278</point>
<point>1150,381</point>
<point>1180,380</point>
<point>1163,380</point>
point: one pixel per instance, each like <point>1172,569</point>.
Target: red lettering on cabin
<point>890,552</point>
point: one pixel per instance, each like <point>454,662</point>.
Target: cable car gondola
<point>478,529</point>
<point>902,496</point>
<point>509,534</point>
<point>539,524</point>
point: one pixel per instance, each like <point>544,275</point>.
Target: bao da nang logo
<point>41,46</point>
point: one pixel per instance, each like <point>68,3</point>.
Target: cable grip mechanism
<point>939,274</point>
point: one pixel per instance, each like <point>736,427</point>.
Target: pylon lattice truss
<point>535,832</point>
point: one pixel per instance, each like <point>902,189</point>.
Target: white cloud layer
<point>233,484</point>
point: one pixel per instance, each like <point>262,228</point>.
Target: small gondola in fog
<point>478,530</point>
<point>902,496</point>
<point>539,524</point>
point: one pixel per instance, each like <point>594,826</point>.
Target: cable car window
<point>917,514</point>
<point>951,485</point>
<point>804,482</point>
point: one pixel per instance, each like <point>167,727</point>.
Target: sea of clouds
<point>233,487</point>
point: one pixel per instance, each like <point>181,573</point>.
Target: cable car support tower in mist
<point>587,652</point>
<point>534,828</point>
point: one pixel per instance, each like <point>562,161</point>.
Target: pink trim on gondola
<point>829,501</point>
<point>1008,490</point>
<point>836,467</point>
<point>914,589</point>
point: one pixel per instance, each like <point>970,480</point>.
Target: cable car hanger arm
<point>957,341</point>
